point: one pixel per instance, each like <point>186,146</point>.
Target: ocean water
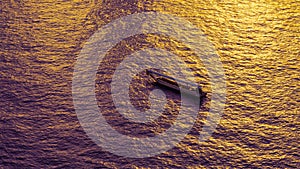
<point>257,42</point>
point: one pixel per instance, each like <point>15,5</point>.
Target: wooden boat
<point>167,81</point>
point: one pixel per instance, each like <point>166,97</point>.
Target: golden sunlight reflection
<point>257,42</point>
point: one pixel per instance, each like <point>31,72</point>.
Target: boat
<point>171,83</point>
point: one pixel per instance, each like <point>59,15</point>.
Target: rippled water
<point>258,43</point>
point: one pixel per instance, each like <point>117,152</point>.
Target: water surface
<point>258,43</point>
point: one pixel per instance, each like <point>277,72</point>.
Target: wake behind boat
<point>168,81</point>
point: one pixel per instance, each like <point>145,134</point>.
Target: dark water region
<point>258,44</point>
